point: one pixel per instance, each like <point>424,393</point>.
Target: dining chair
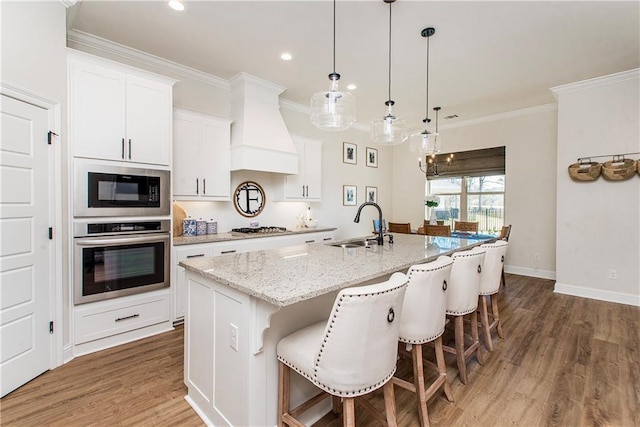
<point>504,235</point>
<point>489,286</point>
<point>436,230</point>
<point>465,226</point>
<point>351,354</point>
<point>423,321</point>
<point>400,227</point>
<point>462,300</point>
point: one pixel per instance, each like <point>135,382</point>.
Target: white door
<point>215,159</point>
<point>25,248</point>
<point>186,159</point>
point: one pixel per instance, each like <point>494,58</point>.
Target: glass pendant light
<point>389,130</point>
<point>333,110</point>
<point>424,141</point>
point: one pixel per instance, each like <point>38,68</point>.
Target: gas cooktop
<point>263,230</point>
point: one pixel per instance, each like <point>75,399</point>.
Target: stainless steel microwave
<point>102,190</point>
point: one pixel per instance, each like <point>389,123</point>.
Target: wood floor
<point>565,361</point>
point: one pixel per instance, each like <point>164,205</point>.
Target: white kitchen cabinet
<point>201,156</point>
<point>199,250</point>
<point>118,112</point>
<point>307,184</point>
<point>103,324</point>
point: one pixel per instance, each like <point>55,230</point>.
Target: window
<point>479,199</point>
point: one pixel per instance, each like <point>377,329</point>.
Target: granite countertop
<point>225,237</point>
<point>289,275</point>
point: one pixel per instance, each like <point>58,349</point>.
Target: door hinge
<point>51,327</point>
<point>50,137</point>
<point>50,233</point>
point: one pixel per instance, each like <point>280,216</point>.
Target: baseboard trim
<point>530,272</point>
<point>598,294</point>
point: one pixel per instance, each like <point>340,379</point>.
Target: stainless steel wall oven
<point>114,259</point>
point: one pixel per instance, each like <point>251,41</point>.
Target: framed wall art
<point>371,194</point>
<point>349,195</point>
<point>372,157</point>
<point>349,153</point>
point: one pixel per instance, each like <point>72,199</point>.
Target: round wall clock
<point>249,199</point>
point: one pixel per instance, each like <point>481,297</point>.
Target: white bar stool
<point>351,354</point>
<point>462,299</point>
<point>422,321</point>
<point>490,280</point>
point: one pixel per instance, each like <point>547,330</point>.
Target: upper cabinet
<point>307,184</point>
<point>201,156</point>
<point>119,113</point>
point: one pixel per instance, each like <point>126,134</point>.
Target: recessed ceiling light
<point>351,86</point>
<point>177,5</point>
<point>286,56</point>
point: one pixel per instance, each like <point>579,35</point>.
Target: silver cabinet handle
<point>309,241</point>
<point>129,148</point>
<point>228,252</point>
<point>195,256</point>
<point>197,186</point>
<point>133,316</point>
<point>303,191</point>
<point>327,238</point>
<point>122,148</point>
<point>204,186</point>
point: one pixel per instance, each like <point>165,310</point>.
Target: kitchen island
<point>240,305</point>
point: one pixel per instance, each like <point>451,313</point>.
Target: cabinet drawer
<point>99,320</point>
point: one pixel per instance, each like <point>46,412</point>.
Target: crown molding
<point>68,3</point>
<point>81,38</point>
<point>596,82</point>
<point>502,116</point>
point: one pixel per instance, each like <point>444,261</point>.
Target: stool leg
<point>336,405</point>
<point>476,338</point>
<point>418,381</point>
<point>484,319</point>
<point>459,338</point>
<point>348,412</point>
<point>502,279</point>
<point>496,314</point>
<point>442,367</point>
<point>283,392</point>
<point>390,404</point>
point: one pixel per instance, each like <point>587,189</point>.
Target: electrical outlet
<point>233,336</point>
<point>536,256</point>
<point>613,274</point>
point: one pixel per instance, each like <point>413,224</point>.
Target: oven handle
<point>117,241</point>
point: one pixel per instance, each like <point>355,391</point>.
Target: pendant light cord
<point>426,111</point>
<point>390,51</point>
<point>334,36</point>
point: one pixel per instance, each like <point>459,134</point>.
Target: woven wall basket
<point>589,171</point>
<point>619,170</point>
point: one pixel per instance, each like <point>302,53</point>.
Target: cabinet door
<point>97,111</point>
<point>294,185</point>
<point>148,121</point>
<point>186,164</point>
<point>179,282</point>
<point>313,169</point>
<point>215,159</point>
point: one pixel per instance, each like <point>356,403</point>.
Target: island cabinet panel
<point>118,112</point>
<point>230,342</point>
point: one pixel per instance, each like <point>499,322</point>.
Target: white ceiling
<point>486,57</point>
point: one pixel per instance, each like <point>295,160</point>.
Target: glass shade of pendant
<point>389,130</point>
<point>425,142</point>
<point>333,110</point>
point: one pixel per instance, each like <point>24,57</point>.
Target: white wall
<point>598,223</point>
<point>530,140</point>
<point>34,59</point>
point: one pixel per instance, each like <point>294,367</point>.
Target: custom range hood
<point>260,140</point>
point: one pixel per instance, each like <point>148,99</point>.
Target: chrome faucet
<point>380,238</point>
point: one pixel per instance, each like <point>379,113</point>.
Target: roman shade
<point>488,161</point>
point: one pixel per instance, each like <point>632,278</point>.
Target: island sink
<point>359,243</point>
